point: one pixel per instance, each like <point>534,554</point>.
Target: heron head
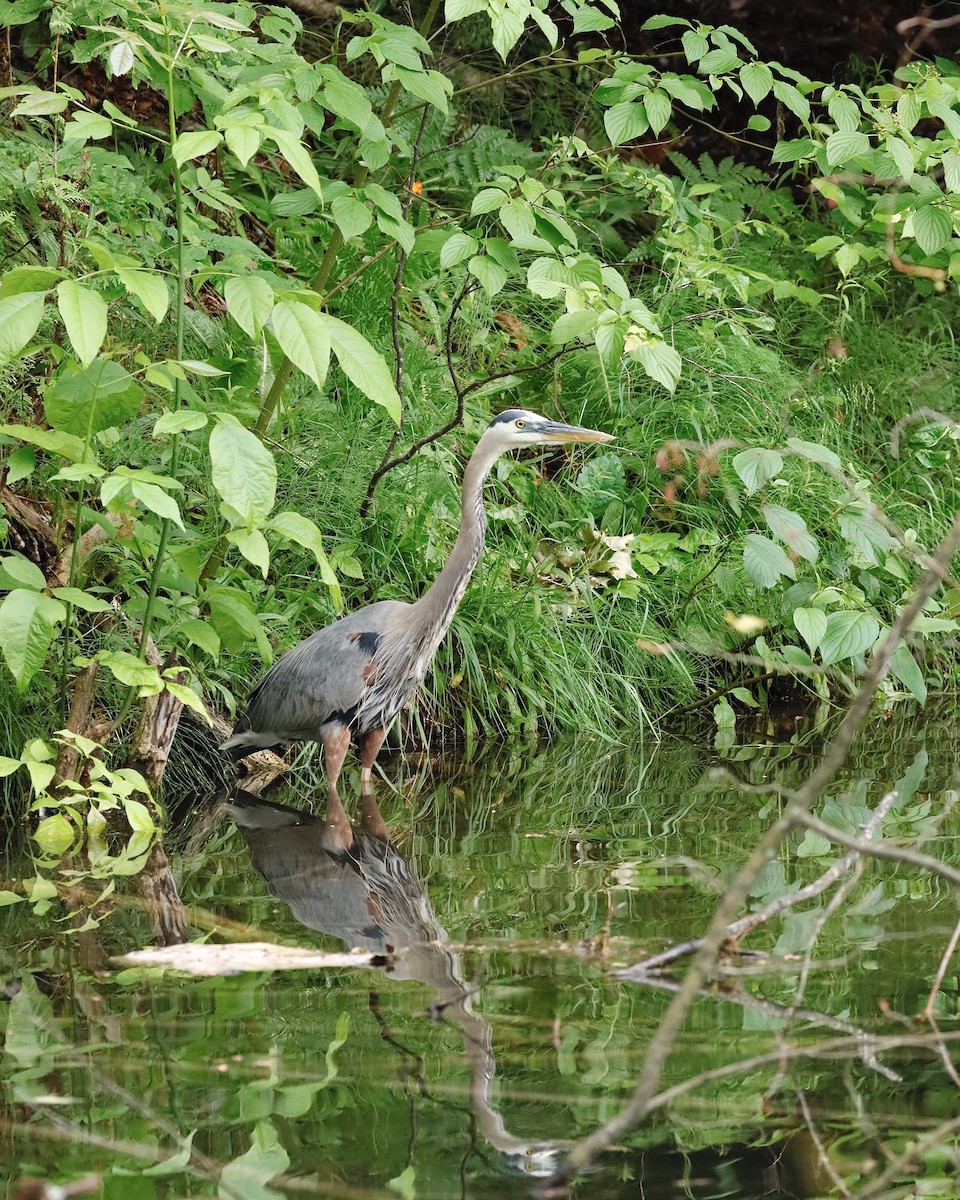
<point>520,427</point>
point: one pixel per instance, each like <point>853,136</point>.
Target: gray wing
<point>323,677</point>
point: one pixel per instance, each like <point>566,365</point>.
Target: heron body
<point>349,680</point>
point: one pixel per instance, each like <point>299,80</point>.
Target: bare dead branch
<point>879,849</point>
<point>659,1049</point>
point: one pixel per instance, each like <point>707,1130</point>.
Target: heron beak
<point>554,431</point>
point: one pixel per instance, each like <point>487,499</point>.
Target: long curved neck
<point>438,604</point>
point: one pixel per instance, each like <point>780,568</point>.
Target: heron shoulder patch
<point>366,640</point>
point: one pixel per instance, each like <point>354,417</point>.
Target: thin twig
<point>899,854</point>
<point>659,1049</point>
<point>941,971</point>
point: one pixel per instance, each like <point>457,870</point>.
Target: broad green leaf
<point>932,228</point>
<point>184,420</point>
<point>363,365</point>
<point>845,145</point>
<point>624,122</point>
<point>765,561</point>
<point>903,666</point>
<point>236,622</point>
<point>658,109</point>
<point>456,10</point>
<point>486,200</point>
<point>908,111</point>
<point>951,170</point>
<point>85,400</point>
<point>430,86</point>
<point>491,275</point>
<point>244,472</point>
<point>84,314</point>
<point>8,766</point>
<point>352,217</point>
<point>660,361</point>
<point>572,325</point>
<point>132,671</point>
<point>517,218</point>
<point>28,624</point>
<point>149,287</point>
<point>158,501</point>
<point>188,697</point>
<point>304,338</point>
<point>21,464</point>
<point>791,529</point>
<point>814,452</point>
<point>793,99</point>
<point>121,58</point>
<point>250,302</point>
<point>719,61</point>
<point>243,141</point>
<point>297,156</point>
<point>347,99</point>
<point>81,599</point>
<point>28,279</point>
<point>811,624</point>
<point>507,28</point>
<point>55,835</point>
<point>21,570</point>
<point>695,45</point>
<point>253,546</point>
<point>195,144</point>
<point>202,634</point>
<point>7,898</point>
<point>87,126</point>
<point>456,249</point>
<point>847,635</point>
<point>865,534</point>
<point>301,530</point>
<point>40,104</point>
<point>249,1174</point>
<point>63,444</point>
<point>757,80</point>
<point>756,466</point>
<point>20,317</point>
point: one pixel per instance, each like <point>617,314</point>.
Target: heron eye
<point>520,424</point>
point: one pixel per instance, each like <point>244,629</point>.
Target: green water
<point>515,888</point>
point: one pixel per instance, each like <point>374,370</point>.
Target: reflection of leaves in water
<point>247,1176</point>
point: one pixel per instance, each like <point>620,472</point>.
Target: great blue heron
<point>348,681</point>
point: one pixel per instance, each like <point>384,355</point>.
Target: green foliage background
<point>261,260</point>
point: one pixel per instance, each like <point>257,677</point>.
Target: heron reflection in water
<point>364,891</point>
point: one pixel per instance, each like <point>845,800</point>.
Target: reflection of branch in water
<point>367,894</point>
<point>801,801</point>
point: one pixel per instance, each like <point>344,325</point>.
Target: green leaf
<point>193,145</point>
<point>243,141</point>
<point>765,561</point>
<point>903,666</point>
<point>28,624</point>
<point>865,534</point>
<point>21,464</point>
<point>301,530</point>
<point>845,145</point>
<point>236,622</point>
<point>456,249</point>
<point>791,98</point>
<point>811,624</point>
<point>659,109</point>
<point>28,279</point>
<point>791,529</point>
<point>150,289</point>
<point>456,10</point>
<point>253,546</point>
<point>660,361</point>
<point>132,671</point>
<point>430,86</point>
<point>486,200</point>
<point>304,338</point>
<point>517,218</point>
<point>847,635</point>
<point>757,80</point>
<point>81,599</point>
<point>491,275</point>
<point>63,444</point>
<point>250,302</point>
<point>183,420</point>
<point>85,400</point>
<point>244,472</point>
<point>55,835</point>
<point>719,61</point>
<point>202,634</point>
<point>695,45</point>
<point>352,217</point>
<point>756,466</point>
<point>40,104</point>
<point>157,500</point>
<point>7,898</point>
<point>189,698</point>
<point>507,27</point>
<point>405,1184</point>
<point>21,570</point>
<point>84,314</point>
<point>297,156</point>
<point>363,365</point>
<point>249,1174</point>
<point>932,228</point>
<point>624,122</point>
<point>814,452</point>
<point>572,325</point>
<point>908,111</point>
<point>20,316</point>
<point>347,99</point>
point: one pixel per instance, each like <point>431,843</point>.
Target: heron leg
<point>371,820</point>
<point>337,834</point>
